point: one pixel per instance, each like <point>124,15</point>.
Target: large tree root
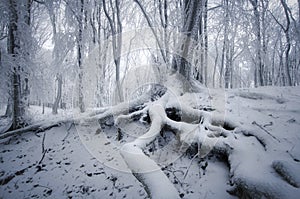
<point>249,150</point>
<point>245,147</point>
<point>101,114</point>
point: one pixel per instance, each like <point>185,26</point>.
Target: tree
<point>164,105</point>
<point>116,30</point>
<point>190,27</point>
<point>259,66</point>
<point>286,30</point>
<point>77,11</point>
<point>19,22</point>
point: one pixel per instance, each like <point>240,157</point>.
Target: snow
<point>85,160</point>
<point>68,169</point>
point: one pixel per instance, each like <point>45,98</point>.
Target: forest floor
<point>79,161</point>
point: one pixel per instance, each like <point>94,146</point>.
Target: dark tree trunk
<point>192,11</point>
<point>13,50</point>
<point>288,43</point>
<point>80,56</point>
<point>205,32</point>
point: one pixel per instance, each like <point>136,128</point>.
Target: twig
<point>190,165</point>
<point>43,143</point>
<point>265,130</point>
<point>7,179</point>
<point>68,131</point>
<point>175,177</point>
<point>44,151</point>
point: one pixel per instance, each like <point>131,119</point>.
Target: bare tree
<point>116,30</point>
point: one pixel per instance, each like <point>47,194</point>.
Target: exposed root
<point>262,128</point>
<point>243,147</point>
<point>288,172</point>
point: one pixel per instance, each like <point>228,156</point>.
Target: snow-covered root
<point>156,183</point>
<point>254,174</point>
<point>48,124</point>
<point>287,171</point>
<point>39,127</point>
<point>245,150</point>
<point>245,147</point>
<point>122,109</point>
<point>101,114</point>
<point>146,170</point>
<point>199,128</point>
<point>250,150</point>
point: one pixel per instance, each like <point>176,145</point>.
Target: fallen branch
<point>7,179</point>
<point>262,128</point>
<point>43,149</point>
<point>68,131</point>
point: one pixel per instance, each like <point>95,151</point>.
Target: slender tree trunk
<point>225,45</point>
<point>58,97</point>
<point>80,56</point>
<point>259,80</point>
<point>119,50</point>
<point>205,42</point>
<point>116,29</point>
<point>163,13</point>
<point>222,61</point>
<point>266,63</point>
<point>216,60</point>
<point>227,67</point>
<point>288,43</point>
<point>299,12</point>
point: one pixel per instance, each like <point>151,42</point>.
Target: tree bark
<point>259,66</point>
<point>14,49</point>
<point>192,11</point>
<point>80,56</point>
<point>205,32</point>
<point>116,29</point>
<point>288,43</point>
<point>58,97</point>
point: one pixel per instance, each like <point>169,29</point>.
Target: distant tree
<point>115,24</point>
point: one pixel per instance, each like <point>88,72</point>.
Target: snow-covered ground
<point>67,170</point>
<point>83,162</point>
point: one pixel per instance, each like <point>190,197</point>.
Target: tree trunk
<point>18,108</point>
<point>116,29</point>
<point>192,11</point>
<point>80,56</point>
<point>216,60</point>
<point>224,57</point>
<point>299,12</point>
<point>288,43</point>
<point>259,64</point>
<point>205,64</point>
<point>58,97</point>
